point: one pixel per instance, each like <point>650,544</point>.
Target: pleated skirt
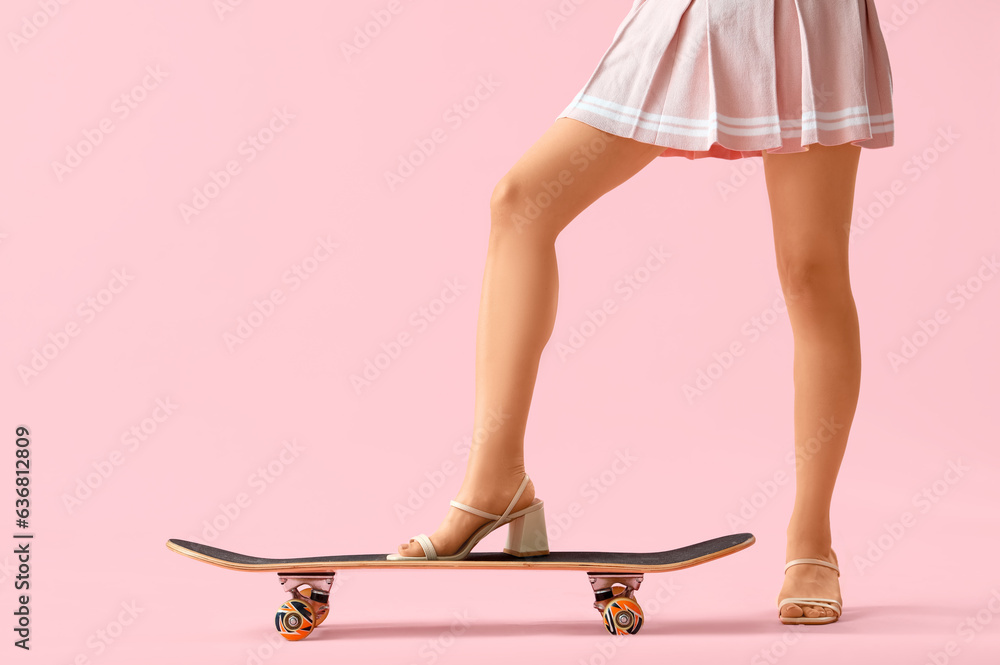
<point>733,78</point>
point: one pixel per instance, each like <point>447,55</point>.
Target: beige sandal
<point>526,534</point>
<point>822,602</point>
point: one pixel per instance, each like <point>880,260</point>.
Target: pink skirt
<point>732,78</point>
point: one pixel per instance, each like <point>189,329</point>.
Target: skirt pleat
<point>733,78</point>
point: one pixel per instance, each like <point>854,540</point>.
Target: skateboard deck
<point>614,576</point>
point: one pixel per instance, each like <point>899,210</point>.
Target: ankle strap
<point>820,562</point>
<point>499,518</point>
<point>517,495</point>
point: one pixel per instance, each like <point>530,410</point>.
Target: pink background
<point>362,452</point>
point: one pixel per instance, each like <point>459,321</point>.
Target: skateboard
<point>614,576</point>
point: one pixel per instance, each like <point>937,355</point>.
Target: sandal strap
<point>823,602</point>
<point>428,546</point>
<point>491,516</point>
<point>474,511</point>
<point>820,562</point>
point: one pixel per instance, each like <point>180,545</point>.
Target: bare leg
<point>811,196</point>
<point>518,304</point>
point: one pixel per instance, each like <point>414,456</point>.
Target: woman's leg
<point>811,196</point>
<point>568,168</point>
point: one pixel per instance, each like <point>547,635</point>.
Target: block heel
<point>526,535</point>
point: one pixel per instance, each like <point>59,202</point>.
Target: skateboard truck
<point>297,617</point>
<point>621,611</point>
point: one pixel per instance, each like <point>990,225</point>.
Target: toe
<point>792,611</point>
<point>814,612</point>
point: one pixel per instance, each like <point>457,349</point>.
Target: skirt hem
<point>723,146</point>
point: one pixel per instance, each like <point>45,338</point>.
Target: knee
<point>512,210</point>
<point>808,280</point>
<point>505,202</point>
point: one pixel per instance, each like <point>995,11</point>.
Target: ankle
<point>476,493</point>
<point>809,543</point>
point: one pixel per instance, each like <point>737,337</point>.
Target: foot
<point>810,581</point>
<point>490,495</point>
